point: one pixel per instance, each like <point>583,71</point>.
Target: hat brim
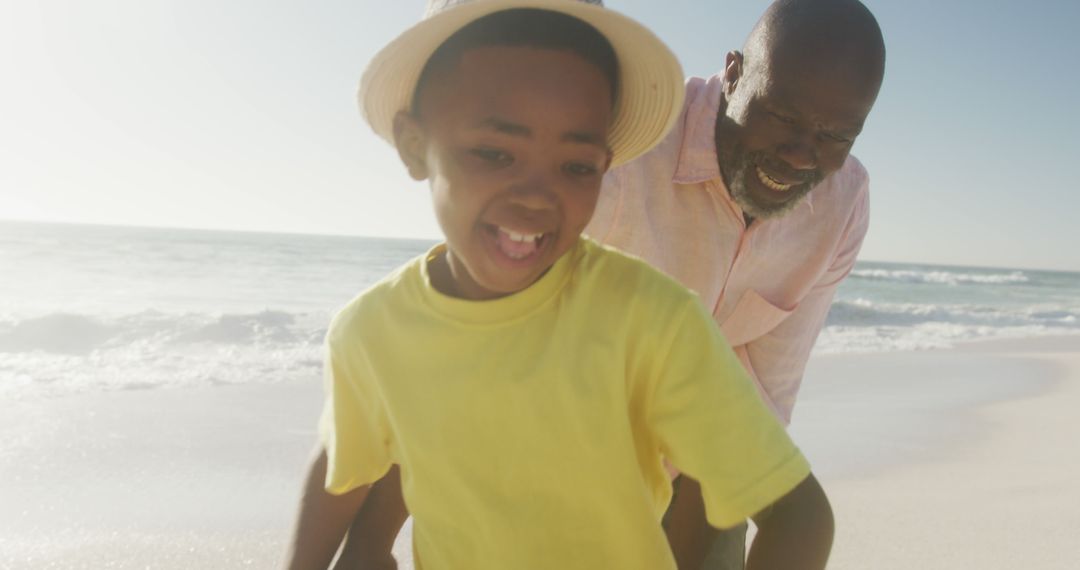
<point>650,91</point>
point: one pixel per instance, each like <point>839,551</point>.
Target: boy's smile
<point>513,142</point>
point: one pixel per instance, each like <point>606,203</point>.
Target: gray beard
<point>736,164</point>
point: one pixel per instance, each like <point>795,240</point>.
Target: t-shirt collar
<point>505,309</point>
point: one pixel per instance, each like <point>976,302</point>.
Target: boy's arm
<point>370,543</point>
<point>322,520</point>
<point>689,534</point>
<point>713,426</point>
<point>795,532</point>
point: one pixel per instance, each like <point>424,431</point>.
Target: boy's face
<point>514,143</point>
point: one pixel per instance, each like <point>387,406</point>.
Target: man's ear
<point>733,70</point>
<point>411,142</point>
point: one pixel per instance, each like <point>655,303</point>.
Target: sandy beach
<point>965,458</point>
<point>959,458</point>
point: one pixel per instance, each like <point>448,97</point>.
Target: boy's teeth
<point>517,245</point>
<point>520,237</point>
<point>771,183</point>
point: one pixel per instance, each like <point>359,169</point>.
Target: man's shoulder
<point>698,87</point>
<point>687,148</point>
<point>844,191</point>
<point>853,176</point>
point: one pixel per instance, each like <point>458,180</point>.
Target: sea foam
<point>98,308</point>
<point>940,277</point>
<point>63,353</point>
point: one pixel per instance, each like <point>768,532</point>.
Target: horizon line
<point>430,239</point>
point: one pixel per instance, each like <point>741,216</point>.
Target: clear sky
<point>239,114</point>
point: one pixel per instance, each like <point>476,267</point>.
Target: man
<point>753,202</point>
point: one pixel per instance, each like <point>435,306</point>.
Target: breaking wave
<point>940,277</point>
<point>71,352</point>
<point>861,325</point>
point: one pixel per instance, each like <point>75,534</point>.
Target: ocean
<point>91,308</point>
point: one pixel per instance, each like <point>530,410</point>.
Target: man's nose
<point>799,151</point>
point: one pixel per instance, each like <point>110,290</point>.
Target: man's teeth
<point>771,182</point>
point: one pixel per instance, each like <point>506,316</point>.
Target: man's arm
<point>322,520</point>
<point>370,542</point>
<point>794,533</point>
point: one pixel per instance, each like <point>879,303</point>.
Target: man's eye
<point>833,137</point>
<point>782,118</point>
<point>580,169</point>
<point>491,155</point>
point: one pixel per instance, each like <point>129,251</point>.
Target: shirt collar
<point>697,155</point>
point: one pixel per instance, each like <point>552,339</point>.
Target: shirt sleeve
<point>711,424</point>
<point>778,358</point>
<point>353,429</point>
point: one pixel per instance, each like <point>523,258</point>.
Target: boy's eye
<point>491,155</point>
<point>580,169</point>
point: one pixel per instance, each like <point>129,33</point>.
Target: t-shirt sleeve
<point>712,425</point>
<point>353,429</point>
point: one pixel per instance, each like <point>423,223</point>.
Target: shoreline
<point>931,400</point>
<point>981,476</point>
<point>952,458</point>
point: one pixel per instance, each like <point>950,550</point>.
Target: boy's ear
<point>411,142</point>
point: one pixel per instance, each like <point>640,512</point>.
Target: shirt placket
<point>744,239</point>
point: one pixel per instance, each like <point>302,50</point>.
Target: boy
<point>528,382</point>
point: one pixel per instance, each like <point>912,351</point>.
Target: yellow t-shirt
<point>530,430</point>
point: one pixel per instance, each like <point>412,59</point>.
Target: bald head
<point>795,99</point>
<point>840,35</point>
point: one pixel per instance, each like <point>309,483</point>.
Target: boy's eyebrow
<point>505,127</point>
<point>514,129</point>
<point>586,138</point>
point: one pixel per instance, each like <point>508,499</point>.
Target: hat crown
<point>650,89</point>
<point>436,6</point>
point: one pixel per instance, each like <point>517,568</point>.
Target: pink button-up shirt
<point>770,285</point>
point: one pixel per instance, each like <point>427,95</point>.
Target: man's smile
<point>771,182</point>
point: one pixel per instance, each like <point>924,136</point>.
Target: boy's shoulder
<point>391,293</point>
<point>628,278</point>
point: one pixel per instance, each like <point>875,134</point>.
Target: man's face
<point>788,123</point>
<point>514,143</point>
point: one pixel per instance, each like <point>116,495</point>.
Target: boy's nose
<point>534,193</point>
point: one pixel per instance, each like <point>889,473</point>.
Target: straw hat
<point>650,90</point>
